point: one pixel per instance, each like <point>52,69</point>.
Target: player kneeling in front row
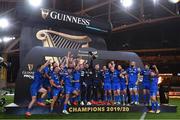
<point>67,78</point>
<point>36,87</point>
<point>154,89</point>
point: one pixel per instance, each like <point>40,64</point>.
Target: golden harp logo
<point>44,13</point>
<point>30,67</point>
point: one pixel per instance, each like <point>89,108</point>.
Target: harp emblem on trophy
<point>56,39</point>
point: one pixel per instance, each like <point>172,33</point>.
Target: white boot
<point>82,103</point>
<point>65,112</point>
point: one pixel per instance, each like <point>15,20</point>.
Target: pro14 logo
<point>28,73</point>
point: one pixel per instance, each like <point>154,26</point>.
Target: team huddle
<point>80,83</point>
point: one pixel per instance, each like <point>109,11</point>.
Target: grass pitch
<point>136,115</point>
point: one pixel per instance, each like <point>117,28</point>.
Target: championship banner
<point>80,109</point>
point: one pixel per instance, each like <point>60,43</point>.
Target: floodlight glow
<point>35,3</point>
<point>7,39</point>
<point>126,3</point>
<point>155,1</point>
<point>174,1</point>
<point>4,23</point>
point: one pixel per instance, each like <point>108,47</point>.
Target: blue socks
<point>49,95</point>
<point>65,107</point>
<point>119,98</point>
<point>105,98</point>
<point>132,98</point>
<point>40,100</point>
<point>157,105</point>
<point>153,106</point>
<point>72,99</point>
<point>28,110</point>
<point>109,97</point>
<point>78,98</point>
<point>136,98</point>
<point>145,98</point>
<point>122,98</point>
<point>116,98</point>
<point>148,98</point>
<point>125,98</point>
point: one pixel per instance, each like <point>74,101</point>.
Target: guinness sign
<point>51,17</point>
<point>46,13</point>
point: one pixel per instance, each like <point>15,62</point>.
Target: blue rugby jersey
<point>107,77</point>
<point>154,82</point>
<point>67,79</point>
<point>115,77</point>
<point>122,79</point>
<point>48,71</point>
<point>76,76</point>
<point>55,78</point>
<point>37,81</point>
<point>132,74</point>
<point>146,76</point>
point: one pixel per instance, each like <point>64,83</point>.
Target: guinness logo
<point>30,67</point>
<point>63,17</point>
<point>44,13</point>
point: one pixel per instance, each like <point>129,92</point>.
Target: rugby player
<point>56,83</point>
<point>107,85</point>
<point>123,85</point>
<point>76,81</point>
<point>154,89</point>
<point>132,73</point>
<point>37,87</point>
<point>115,85</point>
<point>97,81</point>
<point>69,90</point>
<point>146,84</point>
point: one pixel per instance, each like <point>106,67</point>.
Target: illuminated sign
<point>99,109</point>
<point>45,13</point>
